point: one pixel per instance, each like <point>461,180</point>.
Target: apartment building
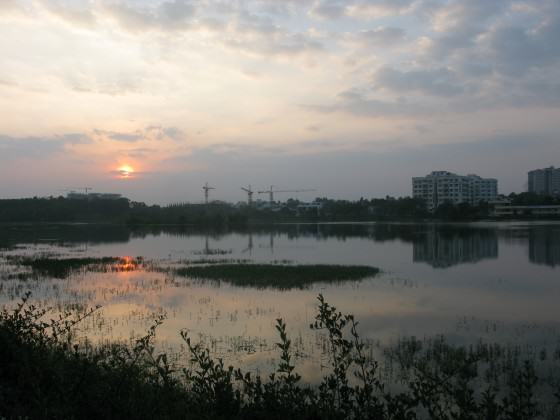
<point>544,181</point>
<point>442,186</point>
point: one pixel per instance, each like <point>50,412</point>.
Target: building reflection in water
<point>444,247</point>
<point>544,245</point>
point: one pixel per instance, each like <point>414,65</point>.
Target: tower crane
<point>250,193</point>
<point>207,188</point>
<point>272,191</point>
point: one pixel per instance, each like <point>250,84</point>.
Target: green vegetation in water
<point>62,268</point>
<point>281,276</point>
<point>212,252</point>
<point>205,261</point>
<point>46,374</point>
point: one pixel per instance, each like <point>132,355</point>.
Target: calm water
<point>484,281</point>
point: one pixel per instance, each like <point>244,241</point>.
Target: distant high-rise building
<point>442,186</point>
<point>545,181</point>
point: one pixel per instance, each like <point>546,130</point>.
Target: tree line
<point>124,211</point>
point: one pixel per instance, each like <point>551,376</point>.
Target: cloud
<point>128,175</point>
<point>81,16</point>
<point>12,148</point>
<point>138,153</point>
<point>328,9</point>
<point>383,36</point>
<point>356,102</point>
<point>518,49</point>
<point>439,81</point>
<point>370,9</point>
<point>360,9</point>
<point>150,133</point>
<point>233,27</point>
<point>459,23</point>
<point>132,19</point>
<point>177,11</point>
<point>7,6</point>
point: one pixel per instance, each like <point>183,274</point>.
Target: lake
<point>490,282</point>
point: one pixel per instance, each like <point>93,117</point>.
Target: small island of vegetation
<point>279,276</point>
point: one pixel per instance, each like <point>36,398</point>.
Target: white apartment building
<point>442,186</point>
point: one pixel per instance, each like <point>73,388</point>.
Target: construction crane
<point>250,193</point>
<point>207,188</point>
<point>272,191</point>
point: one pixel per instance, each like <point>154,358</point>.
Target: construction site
<point>269,203</point>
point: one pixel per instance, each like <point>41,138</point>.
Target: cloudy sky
<point>351,98</point>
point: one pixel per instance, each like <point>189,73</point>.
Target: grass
<point>46,374</point>
<point>280,276</point>
<point>62,268</point>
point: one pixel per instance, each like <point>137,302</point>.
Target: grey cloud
<point>9,6</point>
<point>178,10</point>
<point>82,16</point>
<point>137,153</point>
<point>439,82</point>
<point>328,9</point>
<point>519,49</point>
<point>36,147</point>
<point>159,132</point>
<point>279,44</point>
<point>335,9</point>
<point>130,175</point>
<point>167,16</point>
<point>132,19</point>
<point>150,133</point>
<point>533,93</point>
<point>375,8</point>
<point>233,26</point>
<point>464,21</point>
<point>125,136</point>
<point>284,8</point>
<point>383,36</point>
<point>73,138</point>
<point>357,103</point>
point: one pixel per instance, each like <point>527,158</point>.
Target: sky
<point>152,99</point>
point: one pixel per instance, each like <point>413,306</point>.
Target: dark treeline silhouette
<point>533,199</point>
<point>61,209</point>
<point>221,214</point>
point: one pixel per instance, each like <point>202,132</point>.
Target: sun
<point>125,171</point>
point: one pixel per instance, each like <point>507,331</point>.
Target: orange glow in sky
<point>125,171</point>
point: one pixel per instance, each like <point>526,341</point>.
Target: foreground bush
<point>45,374</point>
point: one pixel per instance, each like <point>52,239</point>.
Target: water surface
<point>480,281</point>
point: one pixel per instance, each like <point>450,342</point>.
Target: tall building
<point>545,181</point>
<point>442,186</point>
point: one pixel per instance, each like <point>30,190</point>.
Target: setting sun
<point>125,171</point>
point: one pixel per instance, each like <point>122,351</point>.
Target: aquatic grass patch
<point>206,261</point>
<point>62,268</point>
<point>210,251</point>
<point>280,276</point>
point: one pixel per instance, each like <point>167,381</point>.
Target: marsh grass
<point>279,276</point>
<point>62,268</point>
<point>46,374</point>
